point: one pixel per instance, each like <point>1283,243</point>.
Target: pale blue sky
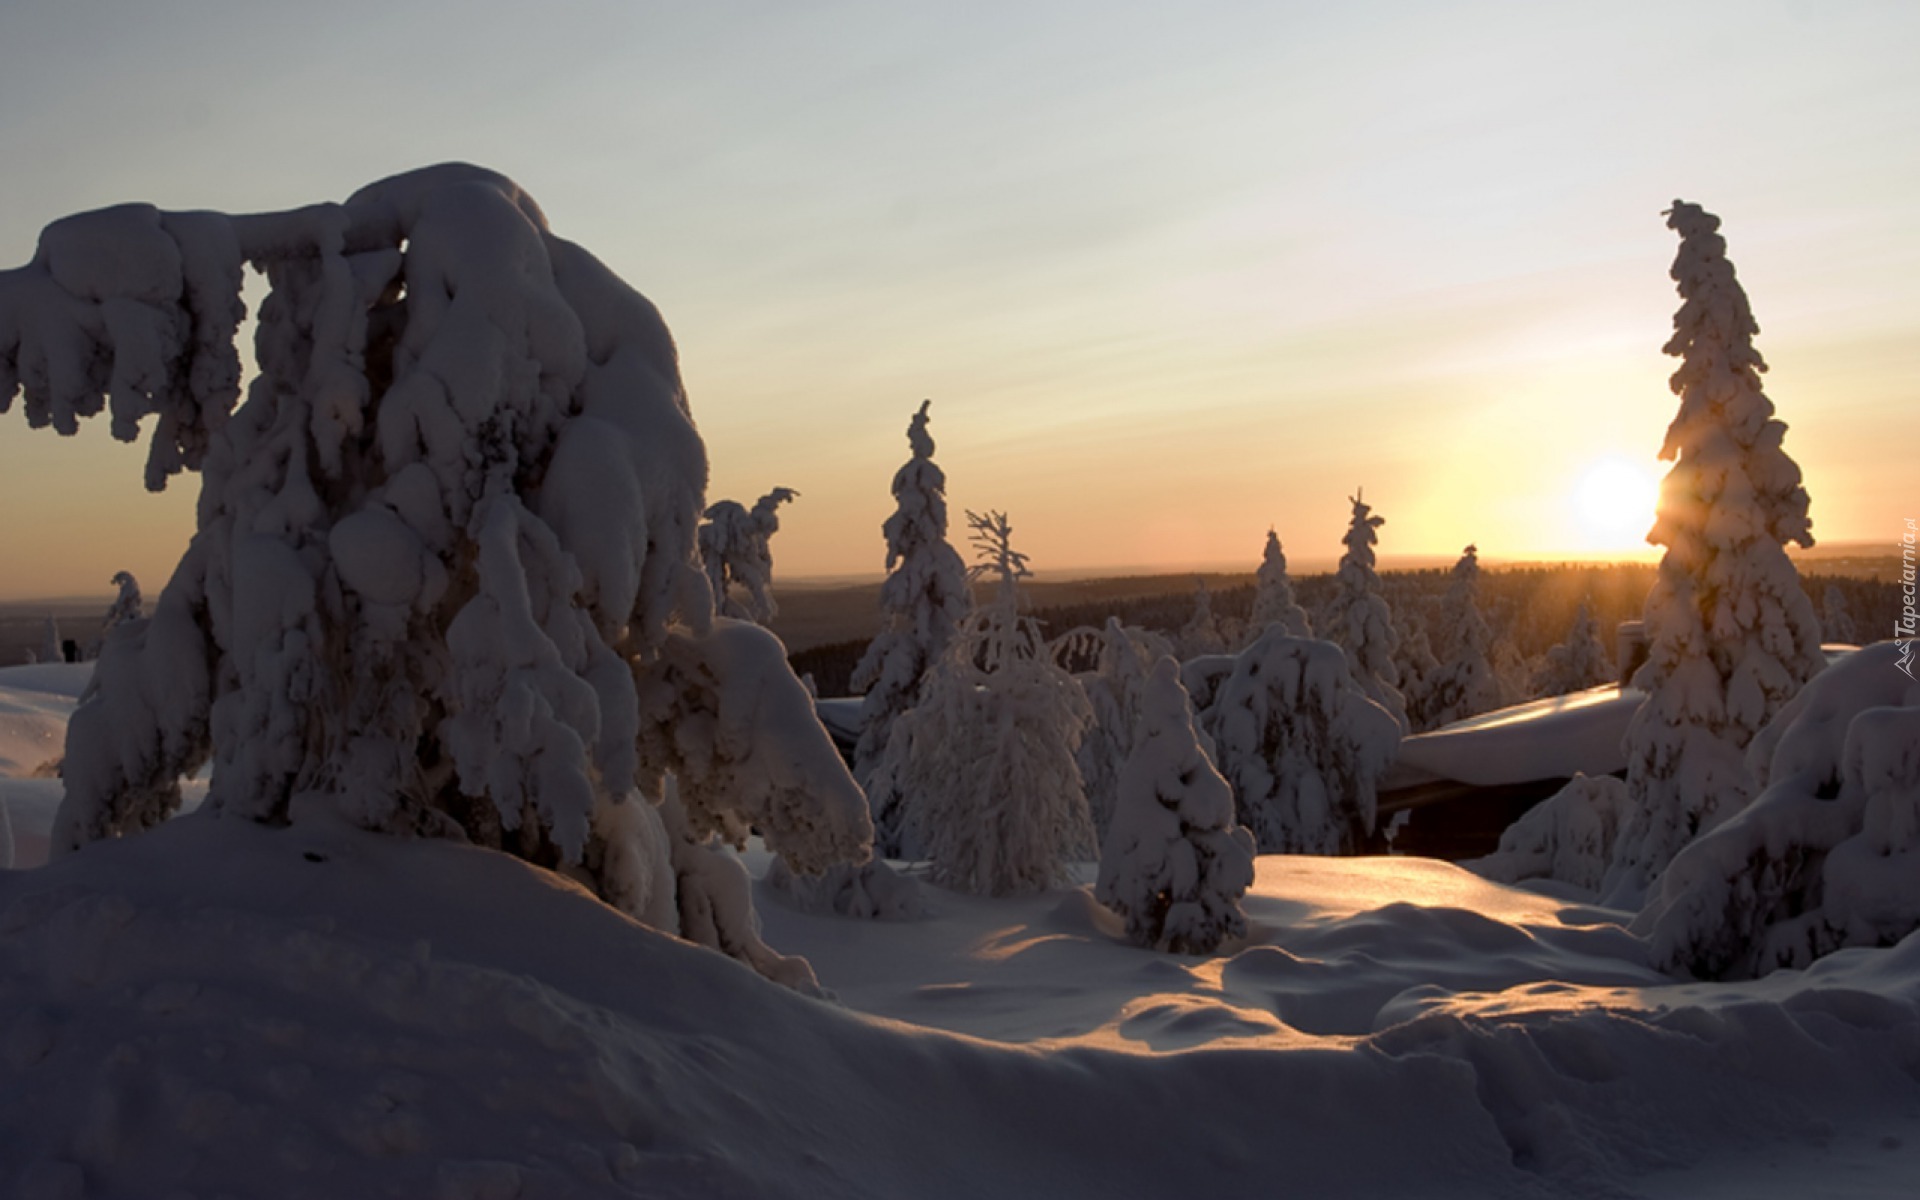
<point>1171,274</point>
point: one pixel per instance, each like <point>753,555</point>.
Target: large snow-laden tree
<point>985,761</point>
<point>1732,636</point>
<point>736,547</point>
<point>1828,853</point>
<point>1174,863</point>
<point>922,603</point>
<point>1302,744</point>
<point>1465,684</point>
<point>1360,621</point>
<point>1273,602</point>
<point>445,558</point>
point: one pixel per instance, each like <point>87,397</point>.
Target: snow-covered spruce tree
<point>922,603</point>
<point>1465,684</point>
<point>1174,864</point>
<point>1836,621</point>
<point>985,761</point>
<point>1202,634</point>
<point>1569,836</point>
<point>736,548</point>
<point>127,606</point>
<point>1828,853</point>
<point>1732,636</point>
<point>1116,690</point>
<point>444,578</point>
<point>1360,622</point>
<point>1273,602</point>
<point>1578,663</point>
<point>1418,666</point>
<point>1302,744</point>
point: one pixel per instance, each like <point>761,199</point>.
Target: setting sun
<point>1613,504</point>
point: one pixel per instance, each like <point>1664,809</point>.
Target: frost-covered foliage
<point>1465,685</point>
<point>922,603</point>
<point>736,548</point>
<point>1569,837</point>
<point>1302,744</point>
<point>1360,621</point>
<point>1419,667</point>
<point>985,761</point>
<point>128,605</point>
<point>1175,863</point>
<point>1828,853</point>
<point>1732,636</point>
<point>1204,633</point>
<point>1273,602</point>
<point>1836,621</point>
<point>440,546</point>
<point>1578,663</point>
<point>1116,689</point>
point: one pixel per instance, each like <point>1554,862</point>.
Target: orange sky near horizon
<point>1169,279</point>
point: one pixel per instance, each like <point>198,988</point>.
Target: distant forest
<point>1530,609</point>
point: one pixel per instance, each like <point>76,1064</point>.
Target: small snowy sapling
<point>1174,863</point>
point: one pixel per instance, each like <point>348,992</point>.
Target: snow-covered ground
<point>222,1008</point>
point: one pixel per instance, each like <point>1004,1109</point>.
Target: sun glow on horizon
<point>1612,504</point>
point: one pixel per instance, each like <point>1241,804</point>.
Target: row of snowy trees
<point>985,757</point>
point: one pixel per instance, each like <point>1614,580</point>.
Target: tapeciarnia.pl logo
<point>1904,628</point>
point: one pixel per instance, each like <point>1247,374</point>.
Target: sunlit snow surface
<point>220,1008</point>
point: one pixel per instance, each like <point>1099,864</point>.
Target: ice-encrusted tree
<point>1465,684</point>
<point>1302,744</point>
<point>1273,602</point>
<point>922,603</point>
<point>444,577</point>
<point>1732,635</point>
<point>1174,863</point>
<point>1828,853</point>
<point>1578,663</point>
<point>1360,621</point>
<point>736,547</point>
<point>985,761</point>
